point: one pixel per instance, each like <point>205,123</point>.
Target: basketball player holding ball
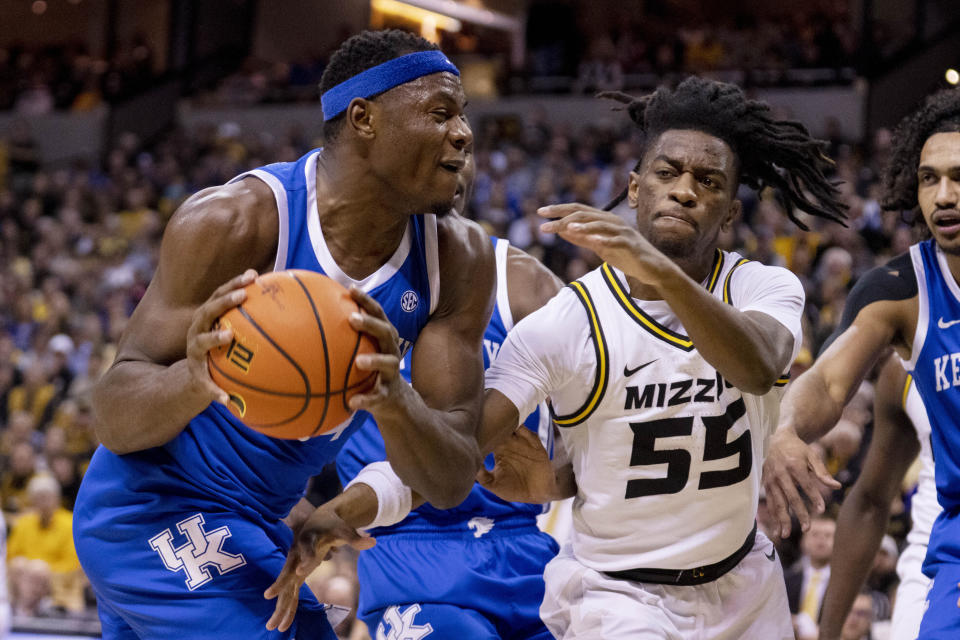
<point>178,522</point>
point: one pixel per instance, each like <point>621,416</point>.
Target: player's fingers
<point>821,471</point>
<point>562,210</point>
<point>570,221</point>
<point>236,282</point>
<point>215,306</point>
<point>204,342</point>
<point>388,366</point>
<point>777,505</point>
<point>379,329</point>
<point>795,501</point>
<point>282,616</point>
<point>367,303</point>
<point>367,401</point>
<point>288,612</point>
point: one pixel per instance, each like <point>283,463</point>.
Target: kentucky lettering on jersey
<point>947,371</point>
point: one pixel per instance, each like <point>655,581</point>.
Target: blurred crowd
<point>38,80</point>
<point>78,245</point>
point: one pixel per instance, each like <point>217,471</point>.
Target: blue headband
<point>378,79</point>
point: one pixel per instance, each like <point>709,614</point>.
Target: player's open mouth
<point>947,221</point>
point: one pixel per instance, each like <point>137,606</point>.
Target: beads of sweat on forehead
<point>383,77</point>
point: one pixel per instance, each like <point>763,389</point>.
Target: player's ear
<point>360,117</point>
<point>633,187</point>
<point>736,207</point>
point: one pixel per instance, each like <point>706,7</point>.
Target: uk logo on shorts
<point>401,625</point>
<point>409,300</point>
<point>202,549</point>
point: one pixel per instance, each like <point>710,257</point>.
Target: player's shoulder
<point>462,241</point>
<point>467,263</point>
<point>530,283</point>
<point>242,212</point>
<point>740,267</point>
<point>896,280</point>
<point>741,277</point>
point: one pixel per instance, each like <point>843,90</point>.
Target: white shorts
<point>747,603</point>
<point>909,605</point>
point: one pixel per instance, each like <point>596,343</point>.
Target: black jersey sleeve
<point>895,280</point>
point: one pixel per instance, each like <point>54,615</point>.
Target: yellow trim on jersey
<point>906,390</point>
<point>645,321</point>
<point>603,362</point>
<point>715,272</point>
<point>726,282</point>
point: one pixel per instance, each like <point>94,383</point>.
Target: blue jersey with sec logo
<point>135,512</point>
<point>367,446</point>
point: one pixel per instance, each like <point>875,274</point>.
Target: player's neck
<point>360,230</point>
<point>692,267</point>
<point>953,263</point>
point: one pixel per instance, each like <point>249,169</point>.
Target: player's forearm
<point>139,405</point>
<point>808,408</point>
<point>358,505</point>
<point>860,528</point>
<point>725,337</point>
<point>434,452</point>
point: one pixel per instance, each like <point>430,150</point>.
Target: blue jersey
<point>182,539</point>
<point>367,446</point>
<point>216,456</point>
<point>935,364</point>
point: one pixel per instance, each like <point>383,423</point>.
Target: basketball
<point>289,369</point>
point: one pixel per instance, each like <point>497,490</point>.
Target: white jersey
<point>924,507</point>
<point>666,454</point>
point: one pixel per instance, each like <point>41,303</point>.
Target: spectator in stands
<point>41,548</point>
<point>34,394</point>
<point>20,469</point>
<point>807,579</point>
<point>858,622</point>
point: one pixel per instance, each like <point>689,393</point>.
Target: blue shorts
<point>941,621</point>
<point>165,567</point>
<point>453,584</point>
<point>942,617</point>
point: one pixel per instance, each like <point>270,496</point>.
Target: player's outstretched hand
<point>522,472</point>
<point>373,321</point>
<point>793,475</point>
<point>204,336</point>
<point>608,236</point>
<point>322,532</point>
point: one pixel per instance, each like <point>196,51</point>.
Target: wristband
<point>394,499</point>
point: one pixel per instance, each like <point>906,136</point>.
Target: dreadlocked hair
<point>940,113</point>
<point>776,153</point>
<point>364,51</point>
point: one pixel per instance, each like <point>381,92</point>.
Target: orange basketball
<point>289,369</point>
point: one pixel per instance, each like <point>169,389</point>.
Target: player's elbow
<point>758,380</point>
<point>456,482</point>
